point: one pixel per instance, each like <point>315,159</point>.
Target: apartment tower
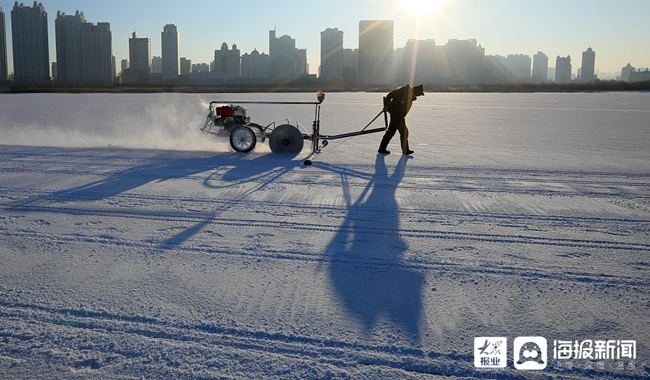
<point>30,44</point>
<point>170,53</point>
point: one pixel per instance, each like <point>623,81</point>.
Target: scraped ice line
<point>336,352</point>
<point>416,233</point>
<point>418,262</point>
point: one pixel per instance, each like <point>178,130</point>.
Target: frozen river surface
<point>134,246</point>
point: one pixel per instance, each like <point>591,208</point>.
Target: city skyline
<point>503,28</point>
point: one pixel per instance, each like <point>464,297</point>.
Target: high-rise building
<point>68,46</point>
<point>98,40</point>
<point>156,65</point>
<point>84,51</point>
<point>287,62</point>
<point>519,67</point>
<point>421,62</point>
<point>350,65</point>
<point>227,61</point>
<point>170,53</point>
<point>3,48</point>
<point>139,60</point>
<point>375,51</point>
<point>255,67</point>
<point>563,69</point>
<point>626,71</point>
<point>140,53</point>
<point>331,54</point>
<point>186,66</point>
<point>200,68</point>
<point>30,44</point>
<point>540,67</point>
<point>588,66</point>
<point>464,61</point>
<point>639,76</point>
<point>495,69</point>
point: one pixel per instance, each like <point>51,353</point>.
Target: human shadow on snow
<point>365,259</point>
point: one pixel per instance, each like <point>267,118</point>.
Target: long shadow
<point>156,169</point>
<point>365,258</point>
<point>239,169</point>
<point>262,170</point>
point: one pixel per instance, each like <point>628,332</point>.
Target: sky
<point>616,30</point>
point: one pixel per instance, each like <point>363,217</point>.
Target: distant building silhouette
<point>186,66</point>
<point>156,65</point>
<point>200,68</point>
<point>563,69</point>
<point>495,70</point>
<point>124,65</point>
<point>4,75</point>
<point>350,65</point>
<point>639,76</point>
<point>375,51</point>
<point>227,63</point>
<point>255,68</point>
<point>170,53</point>
<point>626,71</point>
<point>588,66</point>
<point>30,44</point>
<point>84,52</point>
<point>540,67</point>
<point>331,54</point>
<point>519,67</point>
<point>139,60</point>
<point>465,61</point>
<point>287,62</point>
<point>422,62</point>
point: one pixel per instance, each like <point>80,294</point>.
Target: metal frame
<point>315,137</point>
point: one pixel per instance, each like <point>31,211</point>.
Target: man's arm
<point>389,98</point>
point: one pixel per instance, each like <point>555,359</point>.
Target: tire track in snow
<point>301,226</point>
<point>23,205</point>
<point>451,179</point>
<point>419,263</point>
<point>595,188</point>
<point>330,351</point>
<point>325,351</point>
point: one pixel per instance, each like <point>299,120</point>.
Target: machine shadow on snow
<point>163,168</point>
<point>262,170</point>
<point>365,259</point>
<point>240,169</point>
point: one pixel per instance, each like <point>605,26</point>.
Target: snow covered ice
<point>133,246</point>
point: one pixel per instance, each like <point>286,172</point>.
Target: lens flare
<point>421,6</point>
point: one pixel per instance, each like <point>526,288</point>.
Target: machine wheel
<point>286,139</point>
<point>243,139</point>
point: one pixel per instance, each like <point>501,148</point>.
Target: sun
<point>421,6</point>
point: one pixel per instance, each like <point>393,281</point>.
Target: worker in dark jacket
<point>398,103</point>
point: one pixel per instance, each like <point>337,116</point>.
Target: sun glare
<point>422,6</point>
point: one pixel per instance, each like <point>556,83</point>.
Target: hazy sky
<point>616,30</point>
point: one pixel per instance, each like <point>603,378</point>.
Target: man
<point>398,103</point>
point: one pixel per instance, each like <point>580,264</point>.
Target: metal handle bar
<point>253,102</point>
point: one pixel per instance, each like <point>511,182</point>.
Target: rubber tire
<point>243,139</point>
<point>286,139</point>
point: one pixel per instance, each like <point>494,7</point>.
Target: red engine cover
<point>231,111</point>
